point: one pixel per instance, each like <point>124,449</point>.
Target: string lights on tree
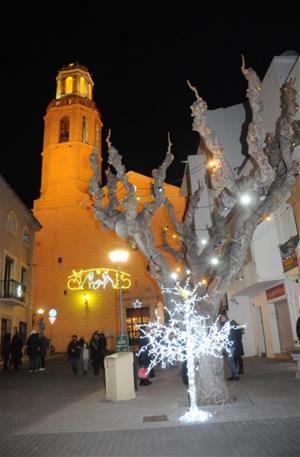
<point>187,335</point>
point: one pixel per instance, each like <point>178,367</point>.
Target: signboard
<point>276,291</point>
<point>288,253</point>
<point>122,343</point>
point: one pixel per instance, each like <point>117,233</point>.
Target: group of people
<point>80,351</point>
<point>35,348</point>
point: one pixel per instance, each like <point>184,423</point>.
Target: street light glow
<point>118,255</point>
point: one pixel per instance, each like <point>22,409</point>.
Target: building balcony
<point>13,292</point>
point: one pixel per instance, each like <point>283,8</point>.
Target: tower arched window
<point>69,85</point>
<point>12,223</point>
<point>84,130</point>
<point>82,86</point>
<point>90,91</point>
<point>64,129</point>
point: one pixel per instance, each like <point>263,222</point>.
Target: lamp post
<point>119,256</point>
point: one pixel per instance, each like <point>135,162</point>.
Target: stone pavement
<point>55,413</point>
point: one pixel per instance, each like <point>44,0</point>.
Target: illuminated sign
<point>52,312</point>
<point>97,278</point>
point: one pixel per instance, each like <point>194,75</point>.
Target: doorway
<point>135,317</point>
<point>261,349</point>
<point>5,328</point>
<point>284,326</point>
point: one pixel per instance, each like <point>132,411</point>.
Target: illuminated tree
<point>240,204</point>
<point>185,337</point>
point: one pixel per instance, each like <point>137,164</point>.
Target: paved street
<point>55,413</point>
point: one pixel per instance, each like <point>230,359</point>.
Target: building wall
<point>13,246</point>
<point>71,233</point>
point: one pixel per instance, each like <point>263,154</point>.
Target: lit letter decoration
<point>186,336</point>
<point>97,278</point>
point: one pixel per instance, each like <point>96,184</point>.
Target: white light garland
<point>186,336</point>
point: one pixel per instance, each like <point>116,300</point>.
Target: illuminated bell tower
<point>72,131</point>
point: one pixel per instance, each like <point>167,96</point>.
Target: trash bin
<point>119,380</point>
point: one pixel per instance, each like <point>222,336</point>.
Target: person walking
<point>85,356</point>
<point>96,353</point>
<point>74,353</point>
<point>6,348</point>
<point>43,351</point>
<point>235,337</point>
<point>16,349</point>
<point>298,327</point>
<point>144,358</point>
<point>33,351</point>
<point>103,345</point>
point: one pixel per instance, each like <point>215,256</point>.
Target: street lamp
<point>119,256</point>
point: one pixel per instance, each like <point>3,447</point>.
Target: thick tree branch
<point>221,175</point>
<point>255,136</point>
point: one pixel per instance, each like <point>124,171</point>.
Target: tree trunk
<point>210,381</point>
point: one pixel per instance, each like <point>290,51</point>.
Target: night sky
<point>139,60</point>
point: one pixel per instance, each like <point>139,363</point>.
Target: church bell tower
<point>72,131</point>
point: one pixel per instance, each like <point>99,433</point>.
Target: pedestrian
<point>85,356</point>
<point>298,327</point>
<point>239,351</point>
<point>236,349</point>
<point>96,353</point>
<point>33,351</point>
<point>103,345</point>
<point>43,351</point>
<point>16,349</point>
<point>6,351</point>
<point>74,353</point>
<point>144,358</point>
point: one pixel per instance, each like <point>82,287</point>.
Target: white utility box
<point>119,380</point>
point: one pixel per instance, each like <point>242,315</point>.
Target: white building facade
<point>266,295</point>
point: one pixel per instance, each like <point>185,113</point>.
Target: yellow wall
<point>71,232</point>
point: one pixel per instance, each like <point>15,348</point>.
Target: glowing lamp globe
<point>119,256</point>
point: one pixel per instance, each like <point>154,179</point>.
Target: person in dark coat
<point>34,351</point>
<point>73,351</point>
<point>236,349</point>
<point>298,327</point>
<point>43,351</point>
<point>97,355</point>
<point>6,350</point>
<point>103,345</point>
<point>144,357</point>
<point>16,350</point>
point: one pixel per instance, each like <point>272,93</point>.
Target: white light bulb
<point>214,261</point>
<point>204,241</point>
<point>245,199</point>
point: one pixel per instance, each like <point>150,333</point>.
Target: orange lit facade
<point>72,242</point>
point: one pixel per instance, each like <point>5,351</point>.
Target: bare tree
<point>267,186</point>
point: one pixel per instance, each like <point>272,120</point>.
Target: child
<point>85,357</point>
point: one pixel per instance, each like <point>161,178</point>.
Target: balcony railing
<point>13,290</point>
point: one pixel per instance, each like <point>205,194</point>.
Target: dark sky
<point>140,60</point>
